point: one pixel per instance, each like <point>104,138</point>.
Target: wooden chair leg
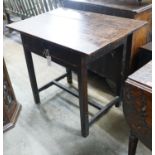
<point>69,75</point>
<point>133,140</point>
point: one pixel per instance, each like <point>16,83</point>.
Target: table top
<point>130,5</point>
<point>80,31</point>
<point>143,75</point>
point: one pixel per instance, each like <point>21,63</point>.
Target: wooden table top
<point>77,30</point>
<point>130,5</point>
<point>144,75</point>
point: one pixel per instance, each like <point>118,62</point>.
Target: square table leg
<point>69,75</point>
<point>133,140</point>
<point>30,67</point>
<point>83,98</point>
<point>126,48</point>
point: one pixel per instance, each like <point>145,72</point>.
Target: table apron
<point>64,56</point>
<point>107,49</point>
<point>60,55</point>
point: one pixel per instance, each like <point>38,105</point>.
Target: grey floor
<point>53,127</point>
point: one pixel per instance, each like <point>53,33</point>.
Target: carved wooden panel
<point>11,107</point>
<point>137,104</point>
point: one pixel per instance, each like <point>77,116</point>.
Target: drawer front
<point>59,54</point>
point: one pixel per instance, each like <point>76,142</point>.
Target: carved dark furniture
<point>123,8</point>
<point>11,107</point>
<point>74,39</point>
<point>137,107</point>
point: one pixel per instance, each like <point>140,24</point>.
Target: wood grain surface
<point>137,106</point>
<point>143,75</point>
<point>81,31</point>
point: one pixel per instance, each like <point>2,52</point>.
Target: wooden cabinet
<point>137,107</point>
<point>11,107</point>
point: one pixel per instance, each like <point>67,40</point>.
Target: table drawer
<point>59,54</point>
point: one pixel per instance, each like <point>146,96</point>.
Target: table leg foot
<point>133,140</point>
<point>119,93</point>
<point>85,128</point>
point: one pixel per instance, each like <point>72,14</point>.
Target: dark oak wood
<point>83,97</point>
<point>122,8</point>
<point>137,106</point>
<point>133,141</point>
<point>69,75</point>
<point>75,39</point>
<point>30,67</point>
<point>91,31</point>
<point>142,36</point>
<point>11,107</point>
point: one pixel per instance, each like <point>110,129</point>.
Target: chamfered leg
<point>83,98</point>
<point>31,72</point>
<point>133,140</point>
